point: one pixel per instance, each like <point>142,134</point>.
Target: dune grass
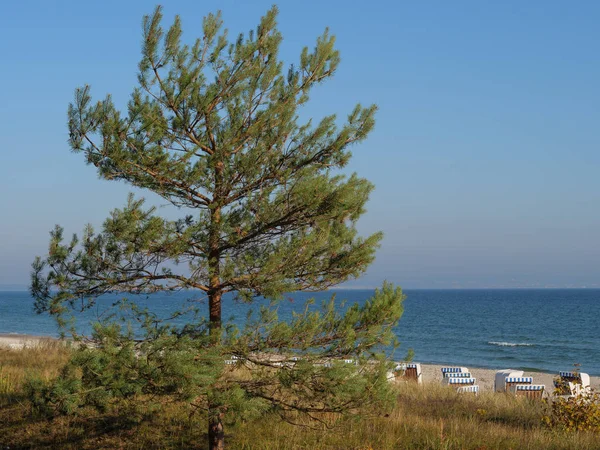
<point>431,417</point>
<point>45,361</point>
<point>428,417</point>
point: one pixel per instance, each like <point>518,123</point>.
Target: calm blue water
<point>546,330</point>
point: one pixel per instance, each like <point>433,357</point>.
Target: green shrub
<point>59,396</point>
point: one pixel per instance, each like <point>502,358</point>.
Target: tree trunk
<point>214,259</point>
<point>214,306</point>
<point>216,435</point>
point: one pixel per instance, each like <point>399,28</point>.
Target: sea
<point>530,329</point>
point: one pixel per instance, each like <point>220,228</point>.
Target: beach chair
<point>532,391</point>
<point>412,372</point>
<point>502,375</point>
<point>573,383</point>
<point>586,385</point>
<point>233,360</point>
<point>578,377</point>
<point>565,389</point>
<point>326,364</point>
<point>457,375</point>
<point>513,381</point>
<point>409,372</point>
<point>472,389</point>
<point>397,372</point>
<point>457,382</point>
<point>446,370</point>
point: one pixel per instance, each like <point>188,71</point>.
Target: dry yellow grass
<point>44,360</point>
<point>429,417</point>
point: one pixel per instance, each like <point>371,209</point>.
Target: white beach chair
<point>396,372</point>
<point>446,370</point>
<point>585,387</point>
<point>509,382</point>
<point>326,364</point>
<point>233,360</point>
<point>408,372</point>
<point>330,362</point>
<point>457,382</point>
<point>457,375</point>
<point>502,375</point>
<point>533,391</point>
<point>473,389</point>
<point>576,383</point>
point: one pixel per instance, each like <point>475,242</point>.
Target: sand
<point>19,341</point>
<point>431,373</point>
<point>485,377</point>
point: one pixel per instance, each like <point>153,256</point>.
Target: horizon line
<point>13,288</point>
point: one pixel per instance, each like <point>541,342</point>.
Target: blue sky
<point>485,153</point>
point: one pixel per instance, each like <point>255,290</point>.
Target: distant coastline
<point>21,288</point>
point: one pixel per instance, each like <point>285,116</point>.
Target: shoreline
<point>485,376</point>
<point>16,341</point>
<point>431,372</point>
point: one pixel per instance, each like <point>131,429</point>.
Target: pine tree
<point>213,128</point>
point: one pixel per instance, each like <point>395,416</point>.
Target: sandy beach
<point>431,372</point>
<point>485,377</point>
<point>19,341</point>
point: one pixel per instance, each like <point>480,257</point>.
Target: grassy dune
<point>429,417</point>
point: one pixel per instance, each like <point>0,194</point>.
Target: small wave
<point>510,344</point>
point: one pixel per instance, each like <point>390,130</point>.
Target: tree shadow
<point>22,430</point>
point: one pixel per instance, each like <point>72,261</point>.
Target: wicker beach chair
<point>502,375</point>
<point>408,372</point>
<point>397,372</point>
<point>573,383</point>
<point>573,377</point>
<point>446,370</point>
<point>532,391</point>
<point>457,375</point>
<point>514,381</point>
<point>233,360</point>
<point>565,388</point>
<point>413,373</point>
<point>472,389</point>
<point>457,382</point>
